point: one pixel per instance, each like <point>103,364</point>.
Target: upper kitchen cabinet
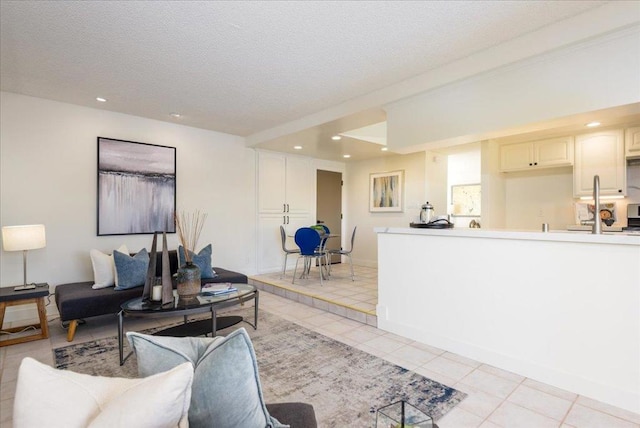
<point>548,153</point>
<point>602,154</point>
<point>632,142</point>
<point>285,184</point>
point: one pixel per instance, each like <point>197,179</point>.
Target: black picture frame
<point>136,188</point>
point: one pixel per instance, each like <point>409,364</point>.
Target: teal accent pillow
<point>130,271</point>
<point>202,260</point>
<point>226,386</point>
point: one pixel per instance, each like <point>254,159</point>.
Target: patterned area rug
<point>345,385</point>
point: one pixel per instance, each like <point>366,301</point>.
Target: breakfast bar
<point>562,308</point>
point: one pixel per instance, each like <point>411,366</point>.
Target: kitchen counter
<point>621,238</point>
<point>559,307</point>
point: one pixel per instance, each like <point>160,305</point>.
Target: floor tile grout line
<point>573,403</point>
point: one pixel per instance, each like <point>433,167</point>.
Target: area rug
<point>345,385</point>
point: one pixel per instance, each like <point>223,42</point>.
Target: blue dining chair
<point>309,241</point>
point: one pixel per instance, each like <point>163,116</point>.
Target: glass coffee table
<point>203,303</point>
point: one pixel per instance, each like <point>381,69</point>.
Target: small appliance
<point>427,213</point>
<point>633,218</point>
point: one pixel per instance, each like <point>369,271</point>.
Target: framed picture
<point>385,191</point>
<point>136,188</point>
<point>466,200</point>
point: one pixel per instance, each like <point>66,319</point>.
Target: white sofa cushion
<point>48,397</point>
<point>104,268</point>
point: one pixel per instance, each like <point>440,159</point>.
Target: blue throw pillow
<point>202,260</point>
<point>131,271</point>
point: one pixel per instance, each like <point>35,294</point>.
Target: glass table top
<point>179,304</point>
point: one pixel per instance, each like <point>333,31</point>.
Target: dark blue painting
<point>136,187</point>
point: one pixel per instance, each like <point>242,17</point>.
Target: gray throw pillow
<point>226,390</point>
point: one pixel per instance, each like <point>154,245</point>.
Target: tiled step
<point>315,301</point>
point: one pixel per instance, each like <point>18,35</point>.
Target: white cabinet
<point>632,142</point>
<point>285,197</point>
<point>548,153</point>
<point>284,184</point>
<point>270,255</point>
<point>602,154</point>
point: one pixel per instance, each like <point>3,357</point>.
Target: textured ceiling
<point>243,67</point>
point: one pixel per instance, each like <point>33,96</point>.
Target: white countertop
<point>617,238</point>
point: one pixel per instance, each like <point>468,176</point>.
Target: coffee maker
<point>427,213</point>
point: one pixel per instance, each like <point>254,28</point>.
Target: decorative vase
<point>188,280</point>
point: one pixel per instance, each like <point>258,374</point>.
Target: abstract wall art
<point>386,191</point>
<point>136,187</point>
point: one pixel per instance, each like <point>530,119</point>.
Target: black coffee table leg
<point>120,344</point>
<point>255,312</point>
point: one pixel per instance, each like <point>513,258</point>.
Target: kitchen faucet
<point>597,222</point>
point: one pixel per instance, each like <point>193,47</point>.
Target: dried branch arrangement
<point>189,227</point>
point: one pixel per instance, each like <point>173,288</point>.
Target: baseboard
<point>365,263</point>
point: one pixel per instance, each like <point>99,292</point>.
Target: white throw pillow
<point>104,269</point>
<point>48,397</point>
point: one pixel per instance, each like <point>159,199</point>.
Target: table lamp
<point>23,238</point>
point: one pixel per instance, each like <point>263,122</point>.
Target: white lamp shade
<point>19,238</point>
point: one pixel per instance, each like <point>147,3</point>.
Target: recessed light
<point>176,115</point>
<point>297,147</point>
<point>336,138</point>
<point>384,149</point>
<point>346,156</point>
<point>100,99</point>
<point>592,124</point>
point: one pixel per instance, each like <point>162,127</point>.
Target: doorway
<point>329,206</point>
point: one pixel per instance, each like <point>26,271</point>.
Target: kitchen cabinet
<point>602,154</point>
<point>553,152</point>
<point>284,184</point>
<point>286,197</point>
<point>632,142</point>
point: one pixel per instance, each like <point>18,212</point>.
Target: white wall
<point>436,167</point>
<point>536,197</point>
<point>588,76</point>
<point>357,187</point>
<point>464,168</point>
<point>48,157</point>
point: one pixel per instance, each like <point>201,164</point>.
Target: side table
<point>9,297</point>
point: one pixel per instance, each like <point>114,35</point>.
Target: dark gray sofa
<point>76,301</point>
<point>297,415</point>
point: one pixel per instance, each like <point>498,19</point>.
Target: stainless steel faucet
<point>597,222</point>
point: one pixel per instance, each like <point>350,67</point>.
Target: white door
<point>271,183</point>
<point>270,254</point>
<point>299,182</point>
<point>515,157</point>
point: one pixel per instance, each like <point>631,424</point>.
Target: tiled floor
<point>354,299</point>
<point>496,398</point>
